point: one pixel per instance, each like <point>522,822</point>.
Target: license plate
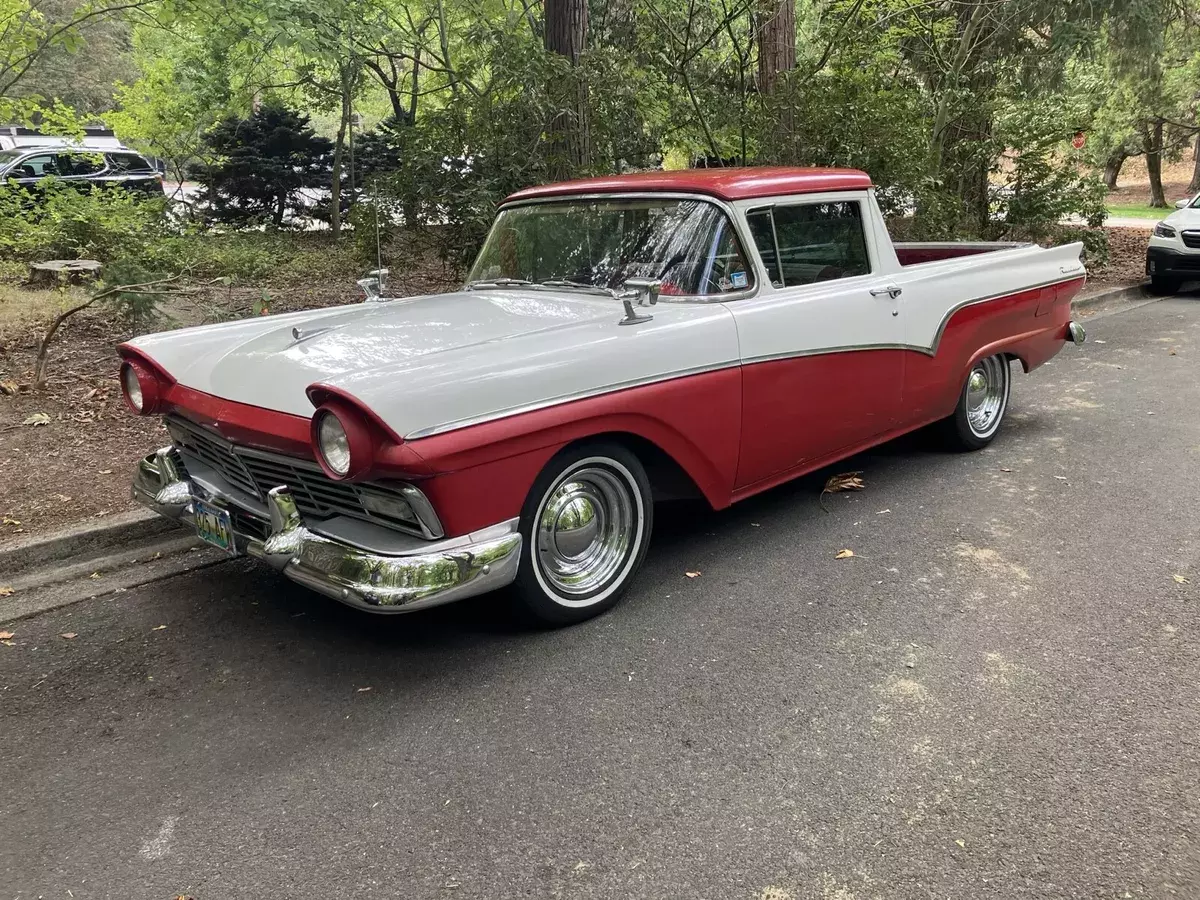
<point>214,526</point>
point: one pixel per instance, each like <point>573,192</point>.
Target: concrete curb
<point>1128,294</point>
<point>85,539</point>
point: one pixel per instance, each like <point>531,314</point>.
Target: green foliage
<point>250,256</point>
<point>56,221</point>
<point>137,309</point>
<point>263,162</point>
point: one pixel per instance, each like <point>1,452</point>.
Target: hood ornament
<point>299,334</point>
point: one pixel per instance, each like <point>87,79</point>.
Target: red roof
<point>727,184</point>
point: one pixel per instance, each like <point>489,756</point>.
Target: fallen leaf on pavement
<point>6,590</point>
<point>961,843</point>
<point>94,575</point>
<point>362,690</point>
<point>9,387</point>
<point>1061,477</point>
<point>883,512</point>
<point>1003,469</point>
<point>692,574</point>
<point>847,481</point>
<point>1172,352</point>
<point>69,635</point>
<point>158,627</point>
<point>844,554</point>
<point>8,520</point>
<point>39,418</point>
<point>1181,579</point>
<point>104,472</point>
<point>7,635</point>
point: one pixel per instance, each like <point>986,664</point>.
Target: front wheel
<point>585,527</point>
<point>981,405</point>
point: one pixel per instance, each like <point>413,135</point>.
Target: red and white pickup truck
<point>712,333</point>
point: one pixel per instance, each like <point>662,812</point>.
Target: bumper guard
<point>440,572</point>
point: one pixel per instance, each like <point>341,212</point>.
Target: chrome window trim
<point>857,198</point>
<point>483,418</point>
<point>731,215</point>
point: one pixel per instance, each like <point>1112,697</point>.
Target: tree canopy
<point>962,111</point>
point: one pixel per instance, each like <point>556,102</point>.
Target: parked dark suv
<point>80,167</point>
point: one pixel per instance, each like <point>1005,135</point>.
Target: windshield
<point>7,157</point>
<point>687,244</point>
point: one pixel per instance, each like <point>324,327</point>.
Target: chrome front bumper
<point>435,573</point>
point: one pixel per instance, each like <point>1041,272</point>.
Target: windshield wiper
<point>575,285</point>
<point>496,282</point>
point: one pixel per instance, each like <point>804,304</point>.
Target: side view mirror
<point>1182,204</point>
<point>374,284</point>
<point>639,286</point>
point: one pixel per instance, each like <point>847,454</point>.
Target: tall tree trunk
<point>777,55</point>
<point>776,45</point>
<point>569,140</point>
<point>1112,167</point>
<point>335,189</point>
<point>1152,138</point>
<point>1194,184</point>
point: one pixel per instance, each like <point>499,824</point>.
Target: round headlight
<point>334,445</point>
<point>133,387</point>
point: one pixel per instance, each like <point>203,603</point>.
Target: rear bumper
<point>438,572</point>
<point>1164,262</point>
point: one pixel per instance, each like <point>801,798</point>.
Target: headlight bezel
<point>1165,231</point>
<point>141,388</point>
<point>360,441</point>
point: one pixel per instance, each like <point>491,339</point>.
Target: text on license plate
<point>214,525</point>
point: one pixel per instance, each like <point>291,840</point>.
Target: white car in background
<point>1173,256</point>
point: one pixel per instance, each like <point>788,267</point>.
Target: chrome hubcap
<point>987,393</point>
<point>587,528</point>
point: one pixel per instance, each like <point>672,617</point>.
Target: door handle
<point>891,290</point>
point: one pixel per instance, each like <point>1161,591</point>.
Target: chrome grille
<point>1191,239</point>
<point>214,451</point>
<point>255,472</point>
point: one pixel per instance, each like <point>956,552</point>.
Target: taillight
<point>143,392</point>
<point>342,442</point>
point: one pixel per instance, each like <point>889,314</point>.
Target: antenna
<point>378,251</point>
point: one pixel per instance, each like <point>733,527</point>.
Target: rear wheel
<point>981,405</point>
<point>585,527</point>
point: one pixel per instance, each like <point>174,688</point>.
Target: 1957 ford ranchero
<point>712,333</point>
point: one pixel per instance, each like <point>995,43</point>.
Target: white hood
<point>423,362</point>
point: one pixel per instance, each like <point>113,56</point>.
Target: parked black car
<point>81,167</point>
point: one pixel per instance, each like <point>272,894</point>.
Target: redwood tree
<point>566,35</point>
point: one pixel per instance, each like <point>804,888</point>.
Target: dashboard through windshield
<point>689,245</point>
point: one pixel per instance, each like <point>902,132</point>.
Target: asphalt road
<point>996,697</point>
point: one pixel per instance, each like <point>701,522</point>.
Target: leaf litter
<point>846,481</point>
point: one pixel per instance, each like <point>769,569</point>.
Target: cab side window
<point>805,243</point>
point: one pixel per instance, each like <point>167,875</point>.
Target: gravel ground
<point>996,697</point>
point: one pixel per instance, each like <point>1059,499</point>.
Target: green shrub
<point>56,221</point>
<point>139,309</point>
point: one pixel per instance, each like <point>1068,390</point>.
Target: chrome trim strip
<point>566,398</point>
<point>700,370</point>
